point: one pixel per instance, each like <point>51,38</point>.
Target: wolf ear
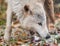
<point>26,8</point>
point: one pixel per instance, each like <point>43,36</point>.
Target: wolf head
<point>35,18</point>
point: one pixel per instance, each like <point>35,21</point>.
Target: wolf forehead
<point>18,5</point>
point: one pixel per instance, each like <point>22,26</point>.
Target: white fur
<point>30,21</point>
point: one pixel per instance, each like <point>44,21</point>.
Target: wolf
<point>31,15</point>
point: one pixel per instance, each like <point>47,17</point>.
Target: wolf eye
<point>39,16</point>
<point>40,24</point>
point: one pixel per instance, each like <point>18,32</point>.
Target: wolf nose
<point>26,8</point>
<point>48,36</point>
